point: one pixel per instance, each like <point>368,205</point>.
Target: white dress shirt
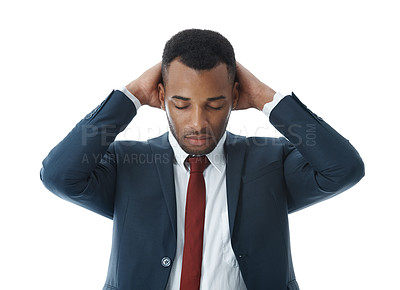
<point>220,269</point>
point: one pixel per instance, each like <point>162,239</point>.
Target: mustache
<point>204,131</point>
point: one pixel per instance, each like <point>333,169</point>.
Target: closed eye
<point>216,108</point>
<point>181,108</point>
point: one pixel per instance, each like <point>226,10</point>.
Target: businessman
<point>199,207</point>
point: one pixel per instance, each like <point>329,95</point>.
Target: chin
<point>197,151</point>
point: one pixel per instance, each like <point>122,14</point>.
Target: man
<point>216,220</point>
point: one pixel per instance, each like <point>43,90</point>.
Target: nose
<point>198,119</point>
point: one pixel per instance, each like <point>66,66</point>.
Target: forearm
<point>335,162</point>
<point>67,168</point>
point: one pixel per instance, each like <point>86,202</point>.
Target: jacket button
<point>166,262</point>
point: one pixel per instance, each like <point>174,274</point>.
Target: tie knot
<point>198,163</point>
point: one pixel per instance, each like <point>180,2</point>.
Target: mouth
<point>198,140</point>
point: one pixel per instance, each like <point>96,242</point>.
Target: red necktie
<point>194,224</point>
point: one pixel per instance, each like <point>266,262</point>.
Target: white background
<point>59,59</point>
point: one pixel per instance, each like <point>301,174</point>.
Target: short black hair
<point>199,49</point>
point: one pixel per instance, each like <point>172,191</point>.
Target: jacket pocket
<point>293,285</point>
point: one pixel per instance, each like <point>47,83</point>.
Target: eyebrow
<point>181,98</point>
<point>216,98</point>
<point>208,99</point>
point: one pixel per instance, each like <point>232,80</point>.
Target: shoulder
<point>258,149</point>
<point>255,142</point>
<point>130,146</point>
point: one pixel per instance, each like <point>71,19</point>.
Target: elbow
<point>54,182</point>
<point>353,171</point>
<point>342,176</point>
<point>50,180</point>
<point>358,169</point>
<point>65,184</point>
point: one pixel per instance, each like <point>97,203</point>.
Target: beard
<point>191,151</point>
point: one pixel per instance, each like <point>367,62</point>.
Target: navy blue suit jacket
<point>133,184</point>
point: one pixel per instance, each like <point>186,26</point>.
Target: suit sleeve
<point>319,162</point>
<point>82,167</point>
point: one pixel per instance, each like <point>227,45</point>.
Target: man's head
<point>199,88</point>
<point>199,50</point>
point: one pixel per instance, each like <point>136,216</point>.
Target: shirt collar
<point>216,157</point>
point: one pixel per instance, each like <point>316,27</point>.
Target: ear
<point>235,95</point>
<point>161,95</point>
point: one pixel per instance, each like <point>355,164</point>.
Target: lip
<point>197,140</point>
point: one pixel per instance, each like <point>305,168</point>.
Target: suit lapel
<point>163,152</point>
<point>235,152</point>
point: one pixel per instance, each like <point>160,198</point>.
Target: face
<point>198,105</point>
